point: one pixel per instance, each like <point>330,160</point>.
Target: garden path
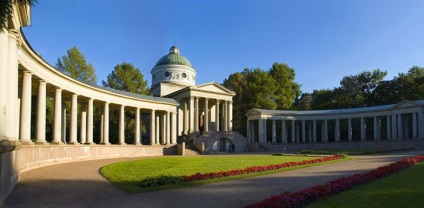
<point>79,184</point>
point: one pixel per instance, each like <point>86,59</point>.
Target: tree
<point>255,88</point>
<point>304,102</point>
<point>74,65</point>
<point>322,99</point>
<point>6,10</point>
<point>357,90</point>
<point>287,89</point>
<point>127,78</point>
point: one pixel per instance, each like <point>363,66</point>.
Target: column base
<point>41,143</point>
<point>105,143</point>
<point>122,143</point>
<point>90,143</point>
<point>56,143</point>
<point>73,143</point>
<point>138,144</point>
<point>26,142</point>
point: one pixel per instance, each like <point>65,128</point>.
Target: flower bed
<point>301,198</point>
<point>164,180</point>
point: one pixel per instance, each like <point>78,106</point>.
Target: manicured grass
<point>402,189</point>
<point>127,175</point>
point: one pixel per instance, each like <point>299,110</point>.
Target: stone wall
<point>16,158</point>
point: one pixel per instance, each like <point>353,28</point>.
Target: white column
<point>25,134</point>
<point>152,127</point>
<point>83,130</point>
<point>174,127</point>
<point>137,126</point>
<point>41,112</point>
<point>337,131</point>
<point>74,121</point>
<point>363,128</point>
<point>375,128</point>
<point>394,127</point>
<point>379,128</point>
<point>225,116</point>
<point>261,129</point>
<point>253,132</point>
<point>6,110</point>
<point>283,132</point>
<point>57,128</point>
<point>196,114</point>
<point>310,132</point>
<point>90,121</point>
<point>421,125</point>
<point>230,116</point>
<point>217,116</point>
<point>265,136</point>
<point>122,125</point>
<point>414,125</point>
<point>399,126</point>
<point>349,129</point>
<point>164,135</point>
<point>9,104</point>
<point>168,127</point>
<point>106,124</point>
<point>191,111</point>
<point>314,131</point>
<point>248,131</point>
<point>303,131</point>
<point>293,136</point>
<point>325,130</point>
<point>102,127</point>
<point>206,120</point>
<point>388,129</point>
<point>158,126</point>
<point>63,134</point>
<point>274,132</point>
<point>186,117</point>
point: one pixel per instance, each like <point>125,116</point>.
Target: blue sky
<point>323,40</point>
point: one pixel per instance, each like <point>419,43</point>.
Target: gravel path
<point>79,184</point>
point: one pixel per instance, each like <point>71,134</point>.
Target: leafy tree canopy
<point>127,78</point>
<point>256,88</point>
<point>74,65</point>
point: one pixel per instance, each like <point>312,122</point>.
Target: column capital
<point>27,73</point>
<point>42,82</point>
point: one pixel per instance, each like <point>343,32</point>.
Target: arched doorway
<point>222,145</point>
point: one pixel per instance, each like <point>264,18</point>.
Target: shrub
<point>161,180</point>
<point>301,198</point>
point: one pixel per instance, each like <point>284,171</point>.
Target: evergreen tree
<point>74,65</point>
<point>127,78</point>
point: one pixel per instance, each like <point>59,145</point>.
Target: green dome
<point>174,58</point>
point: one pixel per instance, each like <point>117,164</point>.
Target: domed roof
<point>173,58</point>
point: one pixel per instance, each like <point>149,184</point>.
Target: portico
<point>389,122</point>
<point>204,108</point>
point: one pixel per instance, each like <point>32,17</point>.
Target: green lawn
<point>127,175</point>
<point>402,189</point>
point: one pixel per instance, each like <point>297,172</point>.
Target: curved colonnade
<point>403,121</point>
<point>39,76</point>
<point>25,78</point>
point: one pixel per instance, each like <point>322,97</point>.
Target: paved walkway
<point>79,184</point>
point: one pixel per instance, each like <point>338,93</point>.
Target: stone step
<point>190,152</point>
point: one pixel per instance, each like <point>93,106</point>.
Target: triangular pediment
<point>253,112</point>
<point>214,87</point>
<point>406,104</point>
